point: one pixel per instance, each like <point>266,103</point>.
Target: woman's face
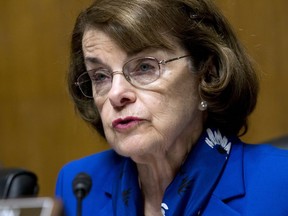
<point>160,117</point>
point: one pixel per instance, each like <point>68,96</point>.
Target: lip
<point>126,123</point>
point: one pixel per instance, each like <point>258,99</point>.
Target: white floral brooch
<point>217,141</point>
<point>164,208</point>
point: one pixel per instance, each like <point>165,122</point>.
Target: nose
<point>121,92</point>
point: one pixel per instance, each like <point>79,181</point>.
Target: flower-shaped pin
<point>164,208</point>
<point>216,140</point>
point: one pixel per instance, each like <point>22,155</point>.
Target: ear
<point>209,76</point>
<point>210,72</point>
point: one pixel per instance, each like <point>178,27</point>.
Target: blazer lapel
<point>231,185</point>
<point>217,207</point>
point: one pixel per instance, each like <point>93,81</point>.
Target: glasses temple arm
<point>173,59</point>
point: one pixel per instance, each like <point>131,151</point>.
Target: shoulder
<point>265,165</point>
<point>106,161</point>
<point>259,155</point>
<point>102,167</point>
<point>88,164</point>
<point>265,170</point>
<point>266,162</point>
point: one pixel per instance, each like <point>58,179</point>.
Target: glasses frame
<point>127,77</point>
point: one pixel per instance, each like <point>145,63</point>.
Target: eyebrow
<point>92,60</point>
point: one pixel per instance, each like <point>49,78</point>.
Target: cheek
<point>103,109</point>
<point>178,104</point>
<point>183,94</point>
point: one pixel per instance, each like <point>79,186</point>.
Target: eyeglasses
<point>138,72</point>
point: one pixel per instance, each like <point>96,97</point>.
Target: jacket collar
<point>231,184</point>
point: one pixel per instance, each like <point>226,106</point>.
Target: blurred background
<point>39,128</point>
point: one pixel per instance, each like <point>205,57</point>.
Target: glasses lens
<point>142,71</point>
<point>85,85</point>
<point>101,81</point>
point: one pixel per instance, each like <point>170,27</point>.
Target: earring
<point>203,106</point>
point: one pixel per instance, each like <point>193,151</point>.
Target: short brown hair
<point>230,87</point>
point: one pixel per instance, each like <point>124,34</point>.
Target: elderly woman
<point>170,87</point>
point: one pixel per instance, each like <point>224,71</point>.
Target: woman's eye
<point>145,67</point>
<point>100,76</point>
<point>142,69</point>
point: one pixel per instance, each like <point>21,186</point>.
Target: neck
<point>155,175</point>
<point>158,169</point>
<point>153,181</point>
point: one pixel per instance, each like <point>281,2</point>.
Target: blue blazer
<point>254,183</point>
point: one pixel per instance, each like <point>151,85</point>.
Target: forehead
<point>131,42</point>
<point>95,39</point>
<point>98,47</point>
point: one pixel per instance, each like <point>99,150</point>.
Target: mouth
<point>126,123</point>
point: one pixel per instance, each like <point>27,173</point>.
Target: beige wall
<point>262,26</point>
<point>39,129</point>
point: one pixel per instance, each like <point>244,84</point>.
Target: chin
<point>129,151</point>
<point>134,149</point>
<point>134,145</point>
